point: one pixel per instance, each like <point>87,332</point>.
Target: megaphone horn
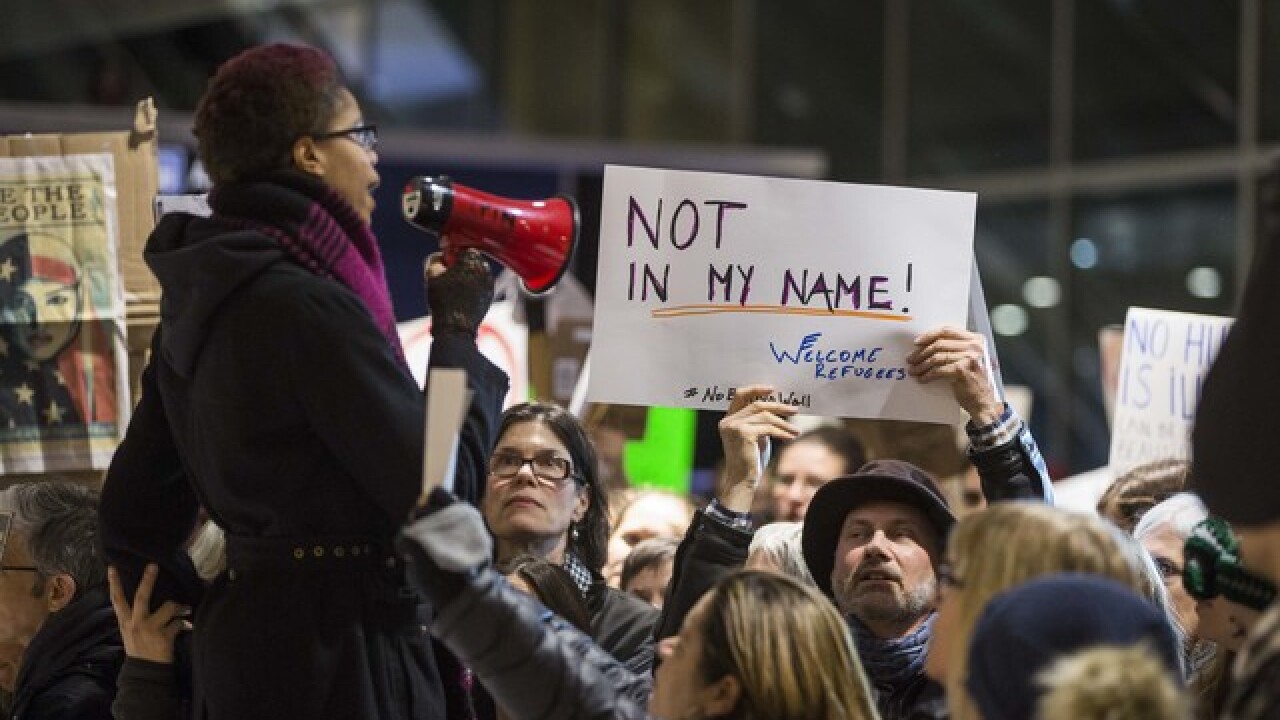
<point>535,238</point>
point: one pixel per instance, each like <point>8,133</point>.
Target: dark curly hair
<point>592,541</point>
<point>1141,488</point>
<point>258,103</point>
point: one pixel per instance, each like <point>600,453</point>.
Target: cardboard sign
<point>64,395</point>
<point>133,155</point>
<point>711,281</point>
<point>1162,367</point>
<point>6,527</point>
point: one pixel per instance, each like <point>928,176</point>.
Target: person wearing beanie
<point>1233,453</point>
<point>1110,683</point>
<point>1026,629</point>
<point>1230,600</point>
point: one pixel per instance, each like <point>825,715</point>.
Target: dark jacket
<point>623,625</point>
<point>148,690</point>
<point>273,400</point>
<point>69,669</point>
<point>712,549</point>
<point>535,664</point>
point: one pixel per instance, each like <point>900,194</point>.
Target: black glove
<point>459,299</point>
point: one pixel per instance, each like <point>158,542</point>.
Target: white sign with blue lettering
<point>711,281</point>
<point>1162,367</point>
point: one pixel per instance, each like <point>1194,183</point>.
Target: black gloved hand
<point>459,298</point>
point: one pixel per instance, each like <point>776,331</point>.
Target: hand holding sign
<point>744,432</point>
<point>959,357</point>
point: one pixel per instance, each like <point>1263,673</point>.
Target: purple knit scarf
<point>318,230</point>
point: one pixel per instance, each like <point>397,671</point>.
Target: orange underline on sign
<point>709,309</point>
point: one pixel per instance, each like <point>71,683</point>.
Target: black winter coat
<point>536,664</point>
<point>622,624</point>
<point>69,669</point>
<point>273,400</point>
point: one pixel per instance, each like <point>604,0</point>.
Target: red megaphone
<point>535,238</point>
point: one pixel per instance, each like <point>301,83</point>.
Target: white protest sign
<point>447,402</point>
<point>1162,367</point>
<point>709,281</point>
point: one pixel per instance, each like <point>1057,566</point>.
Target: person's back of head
<point>1008,544</point>
<point>1110,683</point>
<point>787,648</point>
<point>776,546</point>
<point>552,586</point>
<point>1027,628</point>
<point>1135,492</point>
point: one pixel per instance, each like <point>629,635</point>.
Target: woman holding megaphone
<point>278,397</point>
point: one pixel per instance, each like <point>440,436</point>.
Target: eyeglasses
<point>1168,568</point>
<point>366,136</point>
<point>546,466</point>
<point>19,568</point>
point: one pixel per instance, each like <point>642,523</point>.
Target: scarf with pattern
<point>892,664</point>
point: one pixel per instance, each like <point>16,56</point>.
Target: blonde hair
<point>1110,683</point>
<point>1010,543</point>
<point>787,646</point>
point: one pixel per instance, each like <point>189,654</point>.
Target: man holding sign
<point>887,591</point>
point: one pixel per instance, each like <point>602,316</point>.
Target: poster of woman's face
<point>42,306</point>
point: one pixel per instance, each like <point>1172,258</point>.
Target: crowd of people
<point>263,547</point>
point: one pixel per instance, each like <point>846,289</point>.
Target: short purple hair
<point>258,103</point>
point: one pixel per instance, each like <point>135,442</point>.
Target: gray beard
<point>884,609</point>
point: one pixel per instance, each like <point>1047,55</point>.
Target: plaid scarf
<point>318,230</point>
<point>581,575</point>
<point>892,664</point>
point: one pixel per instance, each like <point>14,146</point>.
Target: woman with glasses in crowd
<point>544,498</point>
<point>278,397</point>
<point>757,646</point>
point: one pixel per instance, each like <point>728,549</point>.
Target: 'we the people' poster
<point>709,281</point>
<point>64,397</point>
